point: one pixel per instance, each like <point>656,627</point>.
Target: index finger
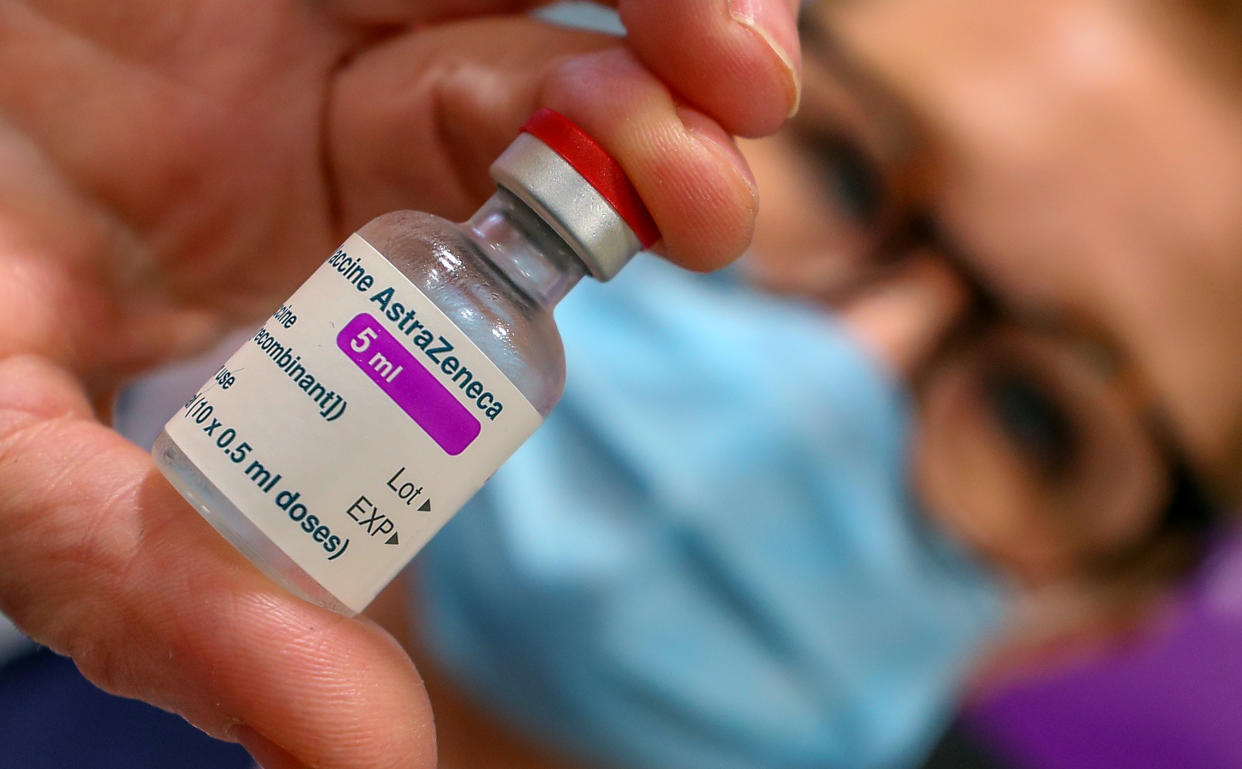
<point>737,61</point>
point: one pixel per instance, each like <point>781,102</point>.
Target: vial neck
<point>525,249</point>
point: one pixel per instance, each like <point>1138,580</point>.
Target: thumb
<point>105,563</point>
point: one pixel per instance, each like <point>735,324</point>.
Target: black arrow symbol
<point>426,508</point>
<point>392,540</point>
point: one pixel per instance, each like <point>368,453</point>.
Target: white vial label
<point>354,423</point>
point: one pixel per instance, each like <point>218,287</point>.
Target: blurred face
<point>1079,164</point>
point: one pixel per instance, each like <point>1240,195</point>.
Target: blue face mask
<point>707,556</point>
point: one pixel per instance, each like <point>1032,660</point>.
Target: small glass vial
<point>376,401</point>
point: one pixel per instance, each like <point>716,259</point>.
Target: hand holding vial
<point>175,169</point>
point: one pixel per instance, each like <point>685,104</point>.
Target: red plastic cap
<point>595,165</point>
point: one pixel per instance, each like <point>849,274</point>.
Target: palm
<point>200,189</point>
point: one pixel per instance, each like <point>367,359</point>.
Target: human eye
<point>852,180</point>
<point>1034,453</point>
<point>1032,417</point>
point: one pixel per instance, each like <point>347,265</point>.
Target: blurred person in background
<point>1026,214</point>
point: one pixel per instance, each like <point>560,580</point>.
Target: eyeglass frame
<point>1190,511</point>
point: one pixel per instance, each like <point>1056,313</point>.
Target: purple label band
<point>416,390</point>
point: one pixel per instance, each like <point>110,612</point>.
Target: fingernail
<point>778,30</point>
<point>267,754</point>
<point>708,133</point>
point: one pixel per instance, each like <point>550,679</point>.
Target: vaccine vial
<point>381,396</point>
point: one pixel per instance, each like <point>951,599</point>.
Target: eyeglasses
<point>1039,442</point>
<point>1052,442</point>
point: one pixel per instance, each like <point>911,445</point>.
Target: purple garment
<point>1171,700</point>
